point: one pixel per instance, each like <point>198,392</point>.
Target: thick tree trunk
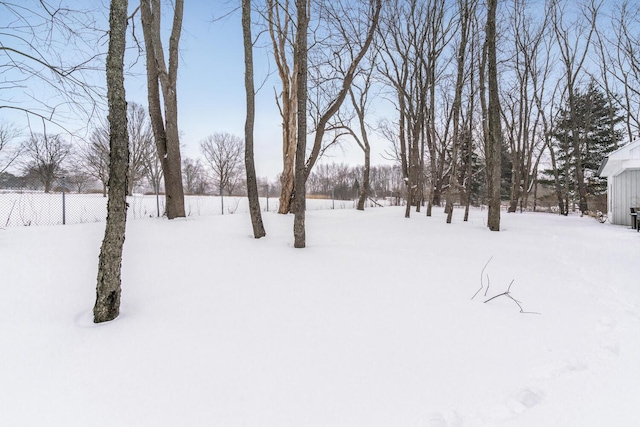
<point>166,133</point>
<point>252,181</point>
<point>299,232</point>
<point>280,23</point>
<point>107,305</point>
<point>289,145</point>
<point>494,155</point>
<point>288,165</point>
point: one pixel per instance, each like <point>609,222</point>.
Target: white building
<point>622,170</point>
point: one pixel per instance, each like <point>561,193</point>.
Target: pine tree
<point>596,124</point>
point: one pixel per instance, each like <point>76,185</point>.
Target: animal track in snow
<point>525,400</point>
<point>605,325</point>
<point>558,368</point>
<point>448,419</point>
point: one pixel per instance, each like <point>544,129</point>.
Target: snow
<point>371,325</point>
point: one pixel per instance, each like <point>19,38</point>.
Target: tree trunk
<point>252,181</point>
<point>582,188</point>
<point>288,167</point>
<point>364,188</point>
<point>280,24</point>
<point>165,132</point>
<point>300,53</point>
<point>494,143</point>
<point>465,21</point>
<point>107,305</point>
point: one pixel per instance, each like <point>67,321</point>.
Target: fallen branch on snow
<point>481,283</point>
<point>507,293</point>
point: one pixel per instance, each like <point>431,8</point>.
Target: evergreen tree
<point>597,120</point>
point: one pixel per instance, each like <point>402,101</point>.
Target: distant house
<point>622,170</point>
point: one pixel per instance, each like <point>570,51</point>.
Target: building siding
<point>624,193</point>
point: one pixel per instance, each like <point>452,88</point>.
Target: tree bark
<point>465,20</point>
<point>280,23</point>
<point>364,188</point>
<point>250,168</point>
<point>300,53</point>
<point>158,76</point>
<point>107,305</point>
<point>494,143</point>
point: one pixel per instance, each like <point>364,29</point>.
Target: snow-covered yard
<point>371,325</point>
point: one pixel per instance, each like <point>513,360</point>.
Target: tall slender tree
<point>282,31</point>
<point>161,76</point>
<point>573,42</point>
<point>140,143</point>
<point>301,55</point>
<point>466,12</point>
<point>493,135</point>
<point>108,289</point>
<point>249,164</point>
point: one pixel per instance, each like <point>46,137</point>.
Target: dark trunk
<point>364,188</point>
<point>107,305</point>
<point>494,143</point>
<point>165,130</point>
<point>252,181</point>
<point>300,53</point>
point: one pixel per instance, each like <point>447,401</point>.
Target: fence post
<point>158,197</point>
<point>64,207</point>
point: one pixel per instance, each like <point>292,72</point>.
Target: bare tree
<point>301,56</point>
<point>94,155</point>
<point>620,60</point>
<point>574,41</point>
<point>223,154</point>
<point>340,20</point>
<point>152,168</point>
<point>44,156</point>
<point>78,179</point>
<point>522,118</point>
<point>493,129</point>
<point>8,133</point>
<point>359,95</point>
<point>48,55</point>
<point>356,37</point>
<point>165,128</point>
<point>252,182</point>
<point>108,288</point>
<point>141,147</point>
<point>466,11</point>
<point>413,37</point>
<point>282,27</point>
<point>193,176</point>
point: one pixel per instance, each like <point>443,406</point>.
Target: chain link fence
<point>21,207</point>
